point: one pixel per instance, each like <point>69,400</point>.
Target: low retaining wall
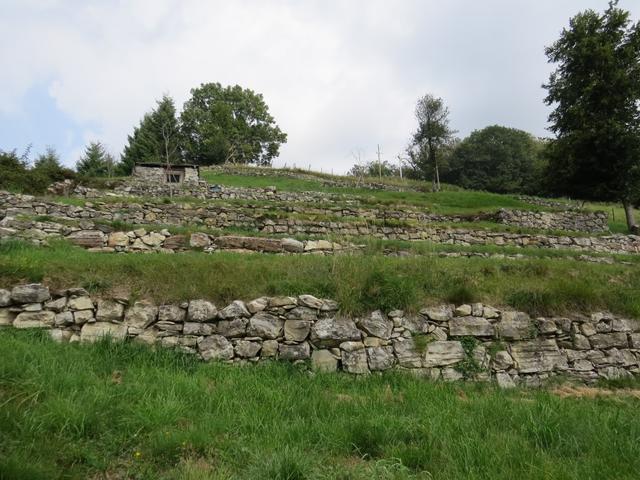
<point>475,342</point>
<point>576,221</point>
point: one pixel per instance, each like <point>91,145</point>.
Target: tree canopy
<point>498,159</point>
<point>96,161</point>
<point>431,137</point>
<point>229,124</point>
<point>595,91</point>
<point>156,139</point>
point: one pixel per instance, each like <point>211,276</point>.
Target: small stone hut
<point>159,173</point>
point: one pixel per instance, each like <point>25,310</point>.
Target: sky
<point>339,76</point>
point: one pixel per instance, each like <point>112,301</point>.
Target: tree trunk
<point>631,220</point>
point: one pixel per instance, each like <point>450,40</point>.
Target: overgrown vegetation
<point>19,174</point>
<point>124,411</point>
<point>359,283</point>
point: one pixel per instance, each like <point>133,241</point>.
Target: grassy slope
<point>360,283</point>
<point>120,411</point>
<point>453,201</point>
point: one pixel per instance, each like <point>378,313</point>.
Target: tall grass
<point>123,411</point>
<point>360,282</point>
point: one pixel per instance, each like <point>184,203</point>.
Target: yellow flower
<point>137,454</point>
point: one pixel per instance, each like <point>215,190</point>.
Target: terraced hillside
<point>383,280</point>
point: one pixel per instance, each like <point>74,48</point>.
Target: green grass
<point>359,282</point>
<point>123,411</point>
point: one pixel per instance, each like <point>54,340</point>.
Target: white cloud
<point>337,75</point>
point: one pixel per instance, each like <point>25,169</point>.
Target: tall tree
<point>430,138</point>
<point>48,164</point>
<point>96,161</point>
<point>596,94</point>
<point>229,124</point>
<point>498,159</point>
<point>156,139</point>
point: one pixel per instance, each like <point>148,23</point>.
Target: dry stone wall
<point>66,219</point>
<point>471,341</point>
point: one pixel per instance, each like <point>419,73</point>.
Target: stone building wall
<point>149,175</point>
<point>471,341</point>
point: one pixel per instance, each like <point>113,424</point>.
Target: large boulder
<point>377,325</point>
<point>236,309</point>
<point>609,340</point>
<point>92,332</point>
<point>380,358</point>
<point>247,349</point>
<point>32,293</point>
<point>538,356</point>
<point>300,351</point>
<point>118,239</point>
<point>87,238</point>
<point>171,313</point>
<point>236,327</point>
<point>296,330</point>
<point>331,332</point>
<point>215,347</point>
<point>442,353</point>
<point>407,353</point>
<point>80,303</point>
<point>109,311</point>
<point>354,357</point>
<point>310,301</point>
<point>140,316</point>
<point>42,319</point>
<point>470,326</point>
<point>514,326</point>
<point>201,311</point>
<point>324,361</point>
<point>265,325</point>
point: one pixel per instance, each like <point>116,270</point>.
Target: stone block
<point>443,353</point>
<point>300,351</point>
<point>470,326</point>
<point>92,332</point>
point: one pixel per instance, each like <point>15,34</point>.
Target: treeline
<point>19,172</point>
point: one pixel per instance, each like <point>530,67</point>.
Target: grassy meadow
<point>121,411</point>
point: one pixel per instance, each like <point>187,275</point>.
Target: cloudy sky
<point>339,76</point>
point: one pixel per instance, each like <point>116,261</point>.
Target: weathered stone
<point>354,358</point>
<point>32,293</point>
<point>201,311</point>
<point>32,307</point>
<point>296,330</point>
<point>265,325</point>
<point>60,335</point>
<point>302,313</point>
<point>56,305</point>
<point>514,326</point>
<point>504,380</point>
<point>438,314</point>
<point>580,342</point>
<point>269,348</point>
<point>199,240</point>
<point>300,351</point>
<point>329,305</point>
<point>310,301</point>
<point>582,365</point>
<point>92,332</point>
<point>118,239</point>
<point>80,317</point>
<point>87,238</point>
<point>620,325</point>
<point>233,328</point>
<point>451,375</point>
<point>175,242</point>
<point>380,358</point>
<point>140,316</point>
<point>215,347</point>
<point>477,309</point>
<point>5,298</point>
<point>463,311</point>
<point>331,332</point>
<point>547,326</point>
<point>490,312</point>
<point>80,303</point>
<point>324,361</point>
<point>7,317</point>
<point>502,360</point>
<point>608,340</point>
<point>442,353</point>
<point>171,313</point>
<point>634,340</point>
<point>292,245</point>
<point>538,356</point>
<point>167,326</point>
<point>246,349</point>
<point>42,319</point>
<point>470,326</point>
<point>282,302</point>
<point>197,328</point>
<point>407,353</point>
<point>377,324</point>
<point>236,309</point>
<point>153,239</point>
<point>416,324</point>
<point>257,305</point>
<point>317,245</point>
<point>109,311</point>
<point>63,319</point>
